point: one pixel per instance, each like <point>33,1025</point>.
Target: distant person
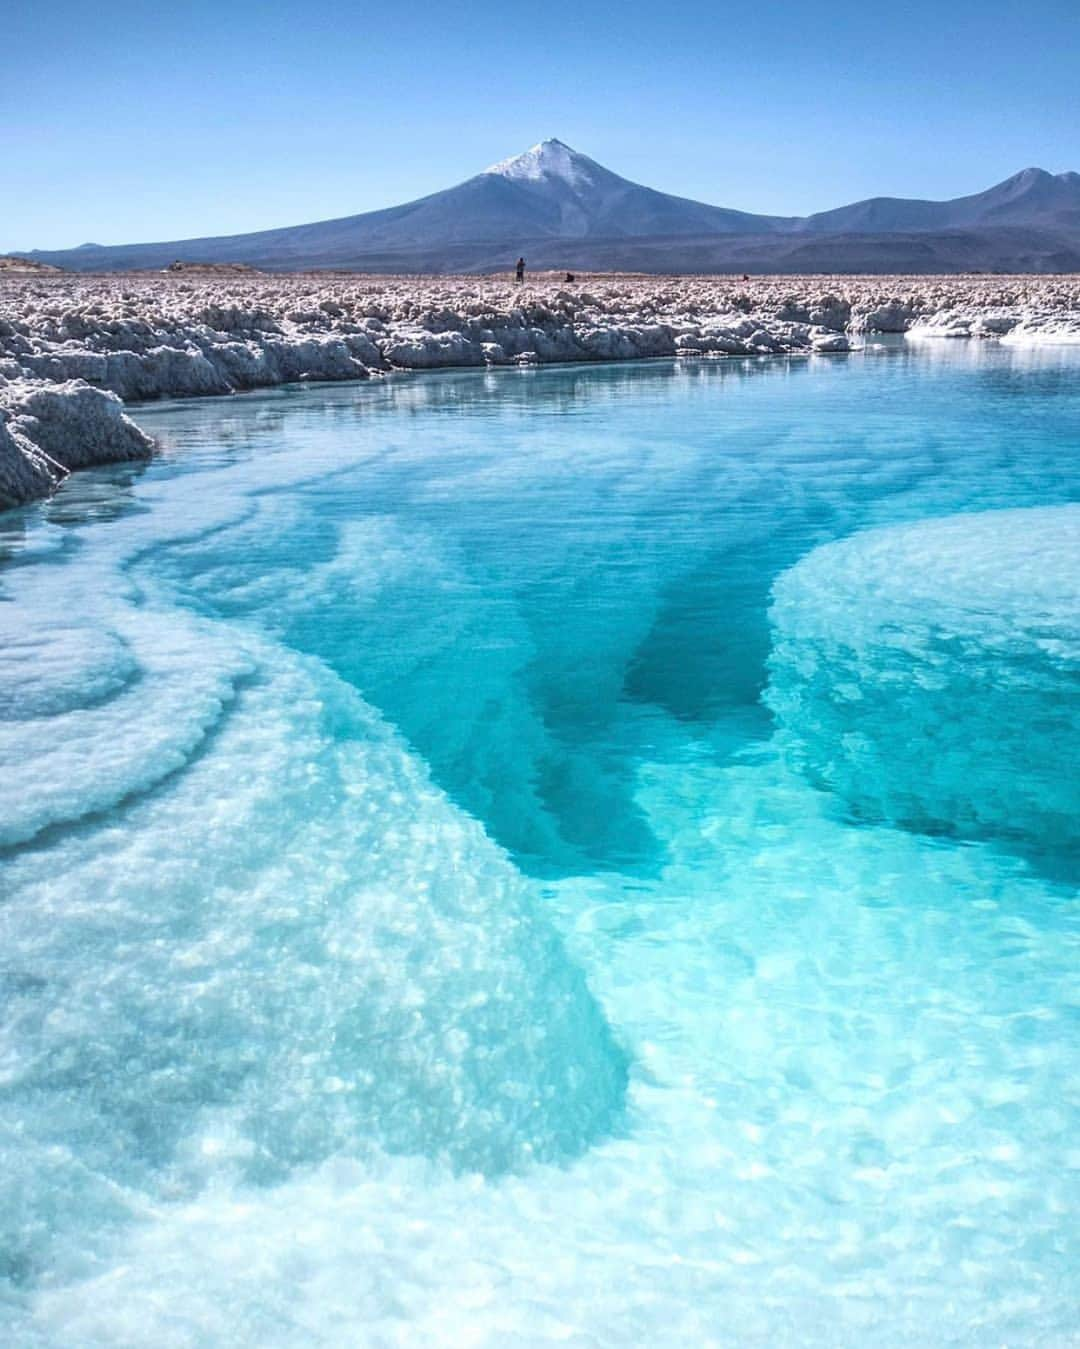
<point>745,277</point>
<point>570,276</point>
<point>519,270</point>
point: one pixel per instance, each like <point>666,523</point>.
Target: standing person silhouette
<point>519,270</point>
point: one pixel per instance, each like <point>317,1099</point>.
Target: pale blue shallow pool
<point>577,855</point>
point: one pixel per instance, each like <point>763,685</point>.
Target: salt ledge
<point>73,347</point>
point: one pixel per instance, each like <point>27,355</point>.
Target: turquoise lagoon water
<point>578,855</point>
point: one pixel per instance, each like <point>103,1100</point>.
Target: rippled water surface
<point>560,855</point>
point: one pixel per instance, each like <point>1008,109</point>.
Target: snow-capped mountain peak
<point>562,209</point>
<point>549,159</point>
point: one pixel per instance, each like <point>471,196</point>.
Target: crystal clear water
<point>481,865</point>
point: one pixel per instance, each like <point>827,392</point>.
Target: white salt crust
<point>67,343</point>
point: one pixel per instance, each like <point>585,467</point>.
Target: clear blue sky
<point>134,120</point>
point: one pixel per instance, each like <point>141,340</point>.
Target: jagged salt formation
<point>46,430</point>
<point>67,343</point>
<point>1017,327</point>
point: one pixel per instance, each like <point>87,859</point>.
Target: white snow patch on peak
<point>549,159</point>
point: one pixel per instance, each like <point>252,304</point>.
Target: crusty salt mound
<point>200,333</point>
<point>929,673</point>
<point>46,430</point>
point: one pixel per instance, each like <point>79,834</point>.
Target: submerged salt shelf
<point>417,930</point>
<point>930,673</point>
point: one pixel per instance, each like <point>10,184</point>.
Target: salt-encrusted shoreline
<point>73,347</point>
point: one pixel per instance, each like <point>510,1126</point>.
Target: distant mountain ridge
<point>563,209</point>
<point>1031,197</point>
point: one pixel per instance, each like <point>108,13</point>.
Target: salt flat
<point>74,348</point>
